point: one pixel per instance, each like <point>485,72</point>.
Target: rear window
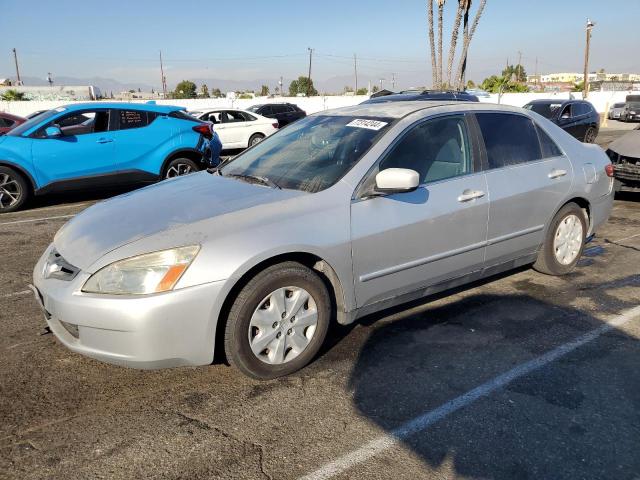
<point>509,139</point>
<point>547,110</point>
<point>5,122</point>
<point>135,118</point>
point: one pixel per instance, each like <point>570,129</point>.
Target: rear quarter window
<point>129,119</point>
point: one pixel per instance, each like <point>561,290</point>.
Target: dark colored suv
<point>424,95</point>
<point>285,113</point>
<point>577,117</point>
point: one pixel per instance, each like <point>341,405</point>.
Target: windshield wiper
<point>255,179</point>
<point>217,168</point>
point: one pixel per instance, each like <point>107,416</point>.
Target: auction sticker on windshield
<point>369,124</point>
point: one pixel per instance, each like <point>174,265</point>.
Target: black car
<point>577,117</point>
<point>631,110</point>
<point>285,113</point>
<point>424,95</point>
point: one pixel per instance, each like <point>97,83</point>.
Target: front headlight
<point>150,273</point>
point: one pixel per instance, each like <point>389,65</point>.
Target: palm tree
<point>12,95</point>
<point>432,44</point>
<point>465,46</point>
<point>454,39</point>
<point>440,15</point>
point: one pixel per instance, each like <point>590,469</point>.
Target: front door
<point>83,155</point>
<point>407,241</point>
<point>528,177</point>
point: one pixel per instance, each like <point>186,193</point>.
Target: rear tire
<point>590,135</point>
<point>564,242</point>
<point>288,306</point>
<point>14,190</point>
<point>255,139</point>
<point>179,167</point>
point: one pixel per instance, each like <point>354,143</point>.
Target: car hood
<point>165,206</point>
<point>628,145</point>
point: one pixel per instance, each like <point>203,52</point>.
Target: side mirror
<point>397,180</point>
<point>53,132</point>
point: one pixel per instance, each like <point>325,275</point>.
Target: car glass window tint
<point>509,139</point>
<point>567,112</point>
<point>266,110</point>
<point>549,147</point>
<point>132,119</point>
<point>5,122</point>
<point>436,149</point>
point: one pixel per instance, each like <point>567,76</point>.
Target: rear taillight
<point>275,125</point>
<point>203,129</point>
<point>609,170</point>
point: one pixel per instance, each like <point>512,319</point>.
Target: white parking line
<point>16,294</point>
<point>30,220</point>
<point>628,238</point>
<point>424,421</point>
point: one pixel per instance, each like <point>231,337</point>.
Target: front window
<point>253,108</point>
<point>312,154</point>
<point>547,110</point>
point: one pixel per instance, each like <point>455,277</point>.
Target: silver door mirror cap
<point>396,180</point>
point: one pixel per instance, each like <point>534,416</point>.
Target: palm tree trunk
<point>454,41</point>
<point>440,15</point>
<point>465,35</point>
<point>467,40</point>
<point>432,44</point>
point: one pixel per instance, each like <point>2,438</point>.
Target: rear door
<point>528,176</point>
<point>84,154</point>
<point>569,120</point>
<point>407,241</point>
<point>138,135</point>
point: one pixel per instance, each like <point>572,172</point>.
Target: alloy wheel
<point>10,191</point>
<point>567,240</point>
<point>283,325</point>
<point>179,169</point>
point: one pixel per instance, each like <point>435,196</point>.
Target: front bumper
<point>151,331</point>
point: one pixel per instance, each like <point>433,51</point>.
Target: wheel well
<point>190,154</point>
<point>584,205</point>
<point>22,173</point>
<point>315,263</point>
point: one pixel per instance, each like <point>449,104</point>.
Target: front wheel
<point>179,167</point>
<point>590,135</point>
<point>278,321</point>
<point>564,242</point>
<point>14,190</point>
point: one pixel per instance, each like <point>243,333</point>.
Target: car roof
<point>402,109</point>
<point>151,107</point>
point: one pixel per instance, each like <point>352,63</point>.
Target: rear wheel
<point>564,241</point>
<point>14,190</point>
<point>590,135</point>
<point>255,138</point>
<point>180,166</point>
<point>278,321</point>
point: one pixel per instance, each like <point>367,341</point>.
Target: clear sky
<point>245,39</point>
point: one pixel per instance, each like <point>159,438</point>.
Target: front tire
<point>179,167</point>
<point>564,241</point>
<point>14,190</point>
<point>278,321</point>
<point>590,135</point>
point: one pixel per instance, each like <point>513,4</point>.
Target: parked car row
<point>341,214</point>
<point>237,128</point>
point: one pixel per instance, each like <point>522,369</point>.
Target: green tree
<point>12,95</point>
<point>374,89</point>
<point>471,84</point>
<point>578,87</point>
<point>502,84</point>
<point>302,85</point>
<point>264,91</point>
<point>185,89</point>
<point>204,91</point>
<point>216,93</point>
<point>362,91</point>
<point>515,72</point>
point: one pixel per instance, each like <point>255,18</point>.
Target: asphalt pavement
<point>519,376</point>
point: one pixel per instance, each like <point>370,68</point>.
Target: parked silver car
<point>341,214</point>
<point>615,110</point>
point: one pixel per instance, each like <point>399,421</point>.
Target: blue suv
<point>92,145</point>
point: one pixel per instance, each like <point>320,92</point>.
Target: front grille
<point>57,267</point>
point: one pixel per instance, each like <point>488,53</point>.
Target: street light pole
<point>585,80</point>
<point>309,77</point>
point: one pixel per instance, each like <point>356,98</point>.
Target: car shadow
<point>576,417</point>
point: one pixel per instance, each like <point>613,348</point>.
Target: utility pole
<point>50,79</point>
<point>585,80</point>
<point>15,58</point>
<point>536,75</point>
<point>309,77</point>
<point>163,79</point>
<point>393,81</point>
<point>355,69</point>
<point>280,83</point>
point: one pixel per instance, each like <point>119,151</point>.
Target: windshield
<point>547,110</point>
<point>618,105</point>
<point>634,105</point>
<point>253,108</point>
<point>32,122</point>
<point>311,154</point>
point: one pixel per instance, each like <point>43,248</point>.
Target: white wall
<point>600,101</point>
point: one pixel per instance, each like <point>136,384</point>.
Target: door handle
<point>104,140</point>
<point>557,173</point>
<point>469,195</point>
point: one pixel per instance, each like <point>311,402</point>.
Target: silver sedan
<point>341,214</point>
